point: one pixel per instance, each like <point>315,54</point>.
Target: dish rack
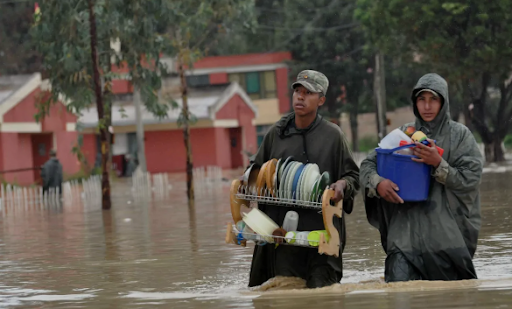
<point>274,197</point>
<point>251,196</point>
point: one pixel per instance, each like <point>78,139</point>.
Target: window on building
<point>253,88</point>
<point>258,85</point>
<point>198,80</point>
<point>260,133</point>
<point>270,86</point>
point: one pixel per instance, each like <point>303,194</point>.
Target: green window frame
<point>258,85</point>
<point>253,85</point>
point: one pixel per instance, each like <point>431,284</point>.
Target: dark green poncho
<point>435,239</point>
<point>322,143</point>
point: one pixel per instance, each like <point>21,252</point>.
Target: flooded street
<point>160,254</point>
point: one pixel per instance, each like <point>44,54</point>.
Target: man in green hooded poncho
<point>308,138</point>
<point>435,239</point>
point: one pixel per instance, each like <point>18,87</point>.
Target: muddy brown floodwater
<point>162,255</point>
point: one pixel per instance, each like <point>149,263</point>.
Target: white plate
<point>310,181</point>
<point>302,174</point>
<point>313,187</point>
<point>289,181</point>
<point>282,181</point>
<point>274,179</point>
<point>300,185</point>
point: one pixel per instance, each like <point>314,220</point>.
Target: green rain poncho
<point>435,239</point>
<point>322,143</point>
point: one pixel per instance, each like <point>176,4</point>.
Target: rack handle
<point>328,212</point>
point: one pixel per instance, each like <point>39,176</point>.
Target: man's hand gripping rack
<point>242,195</point>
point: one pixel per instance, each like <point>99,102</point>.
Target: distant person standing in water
<point>51,173</point>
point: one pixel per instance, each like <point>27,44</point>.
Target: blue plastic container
<point>412,178</point>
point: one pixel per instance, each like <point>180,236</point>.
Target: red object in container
<point>439,149</point>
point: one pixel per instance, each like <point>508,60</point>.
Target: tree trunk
<point>353,99</point>
<point>105,147</point>
<point>494,151</point>
<point>186,134</point>
<point>492,139</point>
<point>467,119</point>
<point>379,92</point>
<point>141,149</point>
<point>455,113</point>
<point>353,129</point>
<point>107,114</point>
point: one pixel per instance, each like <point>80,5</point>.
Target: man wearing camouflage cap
<point>308,138</point>
<point>314,81</point>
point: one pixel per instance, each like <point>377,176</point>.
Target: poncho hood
<point>434,82</point>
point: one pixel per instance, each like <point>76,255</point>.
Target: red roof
<point>241,60</point>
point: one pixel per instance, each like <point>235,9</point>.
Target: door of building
<point>235,137</point>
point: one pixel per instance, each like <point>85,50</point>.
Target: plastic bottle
<point>245,231</point>
<point>302,238</point>
<point>291,221</point>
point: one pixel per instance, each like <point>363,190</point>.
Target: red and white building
<point>234,98</point>
<point>223,129</point>
<point>264,77</point>
<point>25,143</point>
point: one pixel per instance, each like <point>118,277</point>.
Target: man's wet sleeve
<point>369,177</point>
<point>465,171</point>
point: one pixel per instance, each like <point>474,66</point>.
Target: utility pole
<point>379,92</point>
<point>141,150</point>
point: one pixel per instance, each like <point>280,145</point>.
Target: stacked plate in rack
<point>292,180</point>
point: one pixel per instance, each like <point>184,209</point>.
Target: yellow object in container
<point>418,136</point>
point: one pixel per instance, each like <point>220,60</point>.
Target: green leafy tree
<point>141,34</point>
<point>75,48</point>
<point>254,34</point>
<point>16,53</point>
<point>315,31</point>
<point>466,42</point>
<point>322,35</point>
<point>191,31</point>
<point>78,58</point>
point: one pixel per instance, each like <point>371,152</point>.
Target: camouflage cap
<point>314,81</point>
